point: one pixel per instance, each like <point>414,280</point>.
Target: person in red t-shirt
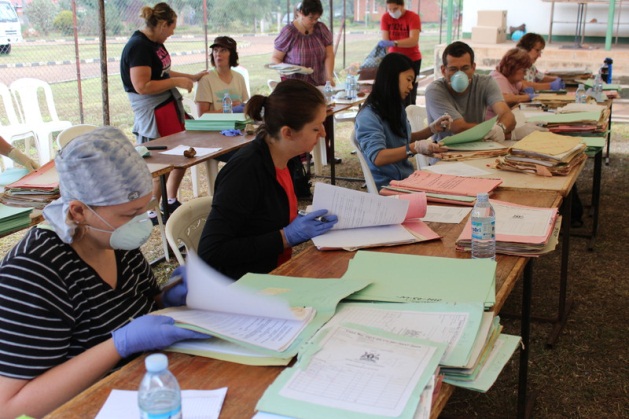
<point>400,33</point>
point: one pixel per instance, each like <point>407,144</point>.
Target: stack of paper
<point>520,230</point>
<point>595,120</point>
<point>368,220</point>
<point>286,69</point>
<point>544,154</point>
<point>35,190</point>
<point>473,138</point>
<point>12,218</point>
<point>218,122</point>
<point>443,188</point>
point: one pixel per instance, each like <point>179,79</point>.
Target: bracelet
<point>409,153</point>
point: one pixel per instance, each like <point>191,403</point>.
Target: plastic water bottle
<point>328,92</point>
<point>483,228</point>
<point>159,396</point>
<point>350,87</point>
<point>598,88</point>
<point>580,94</point>
<point>227,103</point>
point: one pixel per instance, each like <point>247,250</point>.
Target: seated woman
<point>382,127</point>
<point>212,87</point>
<point>534,44</point>
<point>74,294</point>
<point>253,223</point>
<point>509,74</point>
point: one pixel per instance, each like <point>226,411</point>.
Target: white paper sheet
<point>444,214</point>
<point>201,151</point>
<point>456,169</point>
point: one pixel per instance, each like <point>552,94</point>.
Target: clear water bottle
<point>328,92</point>
<point>350,87</point>
<point>598,87</point>
<point>580,94</point>
<point>159,396</point>
<point>483,228</point>
<point>227,103</point>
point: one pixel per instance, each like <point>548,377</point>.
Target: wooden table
<point>246,384</point>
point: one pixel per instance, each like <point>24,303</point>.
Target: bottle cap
<point>482,196</point>
<point>156,362</point>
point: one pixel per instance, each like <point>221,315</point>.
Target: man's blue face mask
<point>459,81</point>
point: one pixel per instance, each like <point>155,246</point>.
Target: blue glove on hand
<point>306,227</point>
<point>530,92</point>
<point>239,108</point>
<point>386,44</point>
<point>557,84</point>
<point>148,333</point>
<point>231,132</point>
<point>175,295</point>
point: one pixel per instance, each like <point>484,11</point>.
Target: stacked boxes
<point>492,27</point>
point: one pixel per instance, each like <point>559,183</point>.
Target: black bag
<point>369,67</point>
<point>301,178</point>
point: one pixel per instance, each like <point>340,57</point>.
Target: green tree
<point>41,14</point>
<point>64,23</point>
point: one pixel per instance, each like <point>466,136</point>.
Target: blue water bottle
<point>159,396</point>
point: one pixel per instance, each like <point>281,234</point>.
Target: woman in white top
<point>213,86</point>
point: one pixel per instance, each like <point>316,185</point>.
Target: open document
<point>259,319</point>
<point>369,220</point>
<point>473,138</point>
<point>352,372</point>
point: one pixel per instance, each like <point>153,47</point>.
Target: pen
<point>156,147</point>
<point>322,219</point>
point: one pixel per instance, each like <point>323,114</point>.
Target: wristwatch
<point>395,43</point>
<point>501,125</point>
<point>409,153</point>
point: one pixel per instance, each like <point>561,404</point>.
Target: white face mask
<point>130,235</point>
<point>396,14</point>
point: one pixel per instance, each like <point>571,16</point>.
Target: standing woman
<point>382,128</point>
<point>151,86</point>
<point>534,44</point>
<point>400,33</point>
<point>307,42</point>
<point>253,223</point>
<point>213,86</point>
<point>75,294</point>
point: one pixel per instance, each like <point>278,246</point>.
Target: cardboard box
<point>488,35</point>
<point>497,18</point>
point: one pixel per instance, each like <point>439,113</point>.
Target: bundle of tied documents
<point>35,190</point>
<point>520,230</point>
<point>218,122</point>
<point>544,154</point>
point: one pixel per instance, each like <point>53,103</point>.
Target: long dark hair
<point>385,97</point>
<point>293,103</point>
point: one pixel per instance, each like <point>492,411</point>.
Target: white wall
<point>536,15</point>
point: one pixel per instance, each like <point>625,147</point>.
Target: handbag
<point>369,67</point>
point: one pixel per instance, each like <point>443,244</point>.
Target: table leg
<point>162,184</point>
<point>596,199</point>
<point>609,133</point>
<point>329,129</point>
<point>525,401</point>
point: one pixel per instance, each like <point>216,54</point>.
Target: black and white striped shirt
<point>54,306</point>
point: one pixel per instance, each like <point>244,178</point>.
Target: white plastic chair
<point>245,73</point>
<point>272,83</point>
<point>186,225</point>
<point>26,94</point>
<point>371,184</point>
<point>418,118</point>
<point>71,133</point>
<point>15,131</point>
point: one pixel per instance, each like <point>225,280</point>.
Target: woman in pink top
<point>400,33</point>
<point>509,75</point>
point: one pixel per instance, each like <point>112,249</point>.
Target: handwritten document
<point>195,404</point>
<point>457,169</point>
<point>444,214</point>
<point>422,180</point>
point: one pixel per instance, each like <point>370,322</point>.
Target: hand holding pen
<point>307,226</point>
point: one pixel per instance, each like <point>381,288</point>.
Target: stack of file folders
<point>544,154</point>
<point>287,69</point>
<point>218,122</point>
<point>35,190</point>
<point>12,218</point>
<point>520,230</point>
<point>450,189</point>
<point>596,120</point>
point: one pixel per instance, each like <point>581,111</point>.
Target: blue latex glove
<point>175,295</point>
<point>306,227</point>
<point>557,84</point>
<point>148,333</point>
<point>231,132</point>
<point>238,108</point>
<point>386,44</point>
<point>530,92</point>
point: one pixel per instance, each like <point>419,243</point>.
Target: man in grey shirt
<point>465,96</point>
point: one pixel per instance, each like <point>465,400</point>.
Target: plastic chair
<point>418,118</point>
<point>272,84</point>
<point>371,184</point>
<point>15,131</point>
<point>186,225</point>
<point>71,133</point>
<point>245,73</point>
<point>25,92</point>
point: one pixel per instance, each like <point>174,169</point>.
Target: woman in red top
<point>400,33</point>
